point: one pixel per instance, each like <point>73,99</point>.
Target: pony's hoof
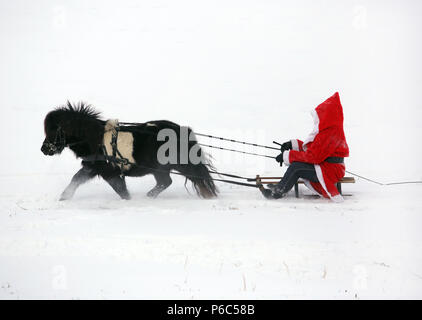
<point>67,194</point>
<point>152,194</point>
<point>65,197</point>
<point>126,197</point>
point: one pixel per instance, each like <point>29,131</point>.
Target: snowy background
<point>250,70</point>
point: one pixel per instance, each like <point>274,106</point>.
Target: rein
<point>118,160</point>
<point>267,156</point>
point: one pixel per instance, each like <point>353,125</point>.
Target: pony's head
<point>70,125</point>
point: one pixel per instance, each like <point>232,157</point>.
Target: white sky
<point>219,66</point>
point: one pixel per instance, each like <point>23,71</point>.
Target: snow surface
<point>250,70</point>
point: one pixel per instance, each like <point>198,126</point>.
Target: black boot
<point>272,186</point>
<point>271,194</point>
<point>277,192</point>
<point>267,193</point>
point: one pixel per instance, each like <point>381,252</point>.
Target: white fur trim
<point>337,198</point>
<point>321,178</point>
<point>314,132</point>
<point>309,185</point>
<point>295,145</point>
<point>286,157</point>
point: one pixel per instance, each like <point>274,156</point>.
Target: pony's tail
<point>201,180</point>
<point>199,174</point>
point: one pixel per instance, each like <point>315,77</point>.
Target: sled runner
<point>273,180</point>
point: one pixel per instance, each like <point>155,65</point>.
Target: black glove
<point>279,158</point>
<point>286,146</point>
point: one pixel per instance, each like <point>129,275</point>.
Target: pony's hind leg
<point>163,182</point>
<point>82,176</point>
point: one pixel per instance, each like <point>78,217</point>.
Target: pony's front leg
<point>79,178</point>
<point>118,184</point>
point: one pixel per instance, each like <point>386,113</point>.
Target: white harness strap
<point>124,142</point>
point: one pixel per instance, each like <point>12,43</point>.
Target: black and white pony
<point>80,128</point>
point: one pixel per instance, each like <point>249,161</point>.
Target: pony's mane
<point>79,121</point>
<point>80,108</point>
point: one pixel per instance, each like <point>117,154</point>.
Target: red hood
<point>330,113</point>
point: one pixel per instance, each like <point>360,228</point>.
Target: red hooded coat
<point>326,140</point>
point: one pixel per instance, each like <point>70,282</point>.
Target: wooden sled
<point>273,180</point>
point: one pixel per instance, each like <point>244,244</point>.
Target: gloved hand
<point>279,158</point>
<point>286,146</point>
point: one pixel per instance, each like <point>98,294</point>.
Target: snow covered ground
<point>239,246</point>
<point>249,70</point>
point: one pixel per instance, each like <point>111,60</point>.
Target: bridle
<point>59,142</point>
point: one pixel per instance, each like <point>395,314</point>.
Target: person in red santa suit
<point>319,160</point>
